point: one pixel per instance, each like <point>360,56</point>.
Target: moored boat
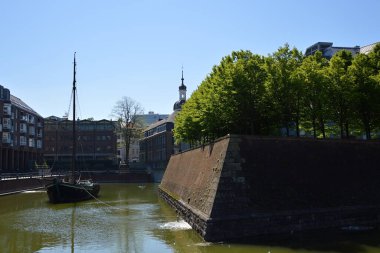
<point>72,190</point>
<point>60,191</point>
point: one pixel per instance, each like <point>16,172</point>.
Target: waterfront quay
<point>11,183</point>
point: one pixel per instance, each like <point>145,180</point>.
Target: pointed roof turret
<point>182,95</point>
<point>183,86</point>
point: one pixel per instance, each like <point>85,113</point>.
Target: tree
<point>284,91</point>
<point>364,73</point>
<point>128,122</point>
<point>229,100</point>
<point>312,75</point>
<point>340,91</point>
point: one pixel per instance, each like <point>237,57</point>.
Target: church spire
<point>182,94</point>
<point>182,77</point>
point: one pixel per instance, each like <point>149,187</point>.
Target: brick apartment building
<point>96,145</point>
<point>21,130</point>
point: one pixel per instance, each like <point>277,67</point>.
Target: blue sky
<point>137,48</point>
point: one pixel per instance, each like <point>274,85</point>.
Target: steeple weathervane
<point>182,76</point>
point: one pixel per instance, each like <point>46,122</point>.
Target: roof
<point>367,49</point>
<point>178,105</point>
<point>21,104</point>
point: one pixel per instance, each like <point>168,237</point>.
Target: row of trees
<point>252,94</point>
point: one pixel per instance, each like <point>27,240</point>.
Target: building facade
<point>96,143</point>
<point>21,128</point>
<point>157,145</point>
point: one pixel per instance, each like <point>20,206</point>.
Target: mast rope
<point>71,100</point>
<point>104,203</point>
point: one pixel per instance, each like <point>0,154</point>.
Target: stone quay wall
<point>19,185</point>
<point>244,186</point>
<point>10,186</point>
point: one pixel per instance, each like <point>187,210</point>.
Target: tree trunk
<point>297,126</point>
<point>341,126</point>
<point>367,126</point>
<point>347,130</point>
<point>322,126</point>
<point>314,128</point>
<point>368,131</point>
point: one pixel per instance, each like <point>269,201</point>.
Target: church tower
<point>182,95</point>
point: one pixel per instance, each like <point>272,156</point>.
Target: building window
<point>7,138</point>
<point>31,142</point>
<point>22,141</point>
<point>7,109</point>
<point>7,123</point>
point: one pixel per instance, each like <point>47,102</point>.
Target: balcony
<point>22,141</point>
<point>32,131</point>
<point>23,128</point>
<point>7,110</point>
<point>7,126</point>
<point>31,119</point>
<point>7,138</point>
<point>24,118</point>
<point>31,143</point>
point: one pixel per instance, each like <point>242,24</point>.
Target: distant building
<point>21,129</point>
<point>134,148</point>
<point>328,50</point>
<point>367,49</point>
<point>157,145</point>
<point>151,117</point>
<point>96,146</point>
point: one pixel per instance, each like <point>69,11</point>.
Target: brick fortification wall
<point>243,186</point>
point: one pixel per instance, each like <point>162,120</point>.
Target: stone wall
<point>18,185</point>
<point>242,186</point>
<point>9,186</point>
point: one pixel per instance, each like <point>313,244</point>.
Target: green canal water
<point>130,218</point>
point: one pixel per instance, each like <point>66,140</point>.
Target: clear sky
<point>136,48</point>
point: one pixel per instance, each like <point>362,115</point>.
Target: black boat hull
<point>64,192</point>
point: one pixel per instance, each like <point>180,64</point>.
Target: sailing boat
<point>72,190</point>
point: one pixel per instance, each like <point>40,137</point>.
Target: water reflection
<point>131,218</point>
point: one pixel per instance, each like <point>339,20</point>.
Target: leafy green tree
<point>364,73</point>
<point>284,91</point>
<point>312,75</point>
<point>251,94</point>
<point>340,90</point>
<point>229,100</point>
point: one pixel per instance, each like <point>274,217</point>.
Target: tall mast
<point>74,133</point>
